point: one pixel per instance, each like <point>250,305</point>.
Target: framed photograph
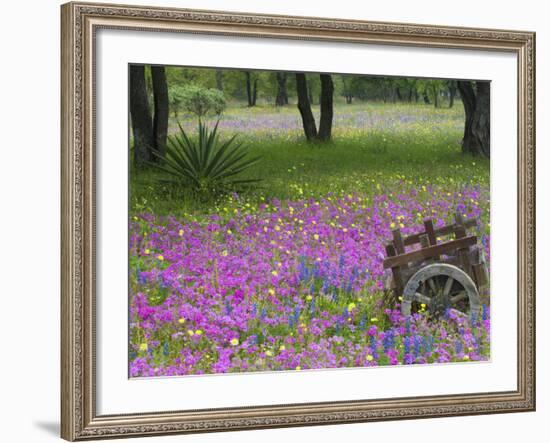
<point>277,221</point>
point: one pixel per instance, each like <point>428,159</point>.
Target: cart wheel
<point>440,286</point>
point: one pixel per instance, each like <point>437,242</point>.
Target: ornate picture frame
<point>80,22</point>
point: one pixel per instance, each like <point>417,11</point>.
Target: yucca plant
<point>204,162</point>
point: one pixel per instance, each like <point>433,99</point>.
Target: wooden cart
<point>437,275</point>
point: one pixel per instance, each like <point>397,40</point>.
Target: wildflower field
<point>287,275</point>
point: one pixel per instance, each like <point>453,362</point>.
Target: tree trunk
<point>248,88</point>
<point>325,121</point>
<point>282,95</point>
<point>425,96</point>
<point>160,119</point>
<point>477,131</point>
<point>219,79</point>
<point>142,127</point>
<point>398,93</point>
<point>452,93</point>
<point>255,92</point>
<point>308,122</point>
<point>347,93</point>
<point>310,92</point>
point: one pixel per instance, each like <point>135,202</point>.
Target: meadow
<point>287,273</point>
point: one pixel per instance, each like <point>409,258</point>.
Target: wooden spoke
<point>439,286</point>
<point>448,286</point>
<point>432,285</point>
<point>458,297</point>
<point>421,298</point>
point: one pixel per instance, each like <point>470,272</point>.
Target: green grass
<point>358,160</point>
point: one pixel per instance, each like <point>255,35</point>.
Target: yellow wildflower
<point>143,347</point>
<point>370,358</point>
<point>181,321</point>
<point>234,341</point>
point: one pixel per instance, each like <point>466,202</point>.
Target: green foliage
<point>357,160</point>
<point>358,87</point>
<point>176,96</point>
<point>205,163</point>
<point>351,85</point>
<point>200,101</point>
<point>197,76</point>
<point>434,88</point>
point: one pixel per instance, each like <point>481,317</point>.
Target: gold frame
<point>79,22</point>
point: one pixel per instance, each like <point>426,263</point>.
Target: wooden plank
<point>464,257</point>
<point>398,241</point>
<point>460,231</point>
<point>430,232</point>
<point>442,248</point>
<point>445,230</point>
<point>424,241</point>
<point>396,270</point>
<point>480,277</point>
<point>399,245</point>
<point>463,253</point>
<point>459,228</point>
